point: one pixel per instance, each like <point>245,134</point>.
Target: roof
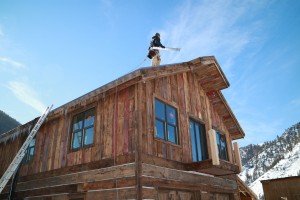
<point>207,71</point>
<point>281,179</point>
<point>244,189</point>
<point>18,131</point>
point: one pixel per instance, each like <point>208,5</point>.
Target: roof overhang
<point>206,70</point>
<point>244,189</point>
<point>213,80</point>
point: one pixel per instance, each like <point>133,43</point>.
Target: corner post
<point>213,147</point>
<point>237,155</point>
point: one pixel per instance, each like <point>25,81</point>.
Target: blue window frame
<point>198,141</point>
<point>29,152</point>
<point>83,129</point>
<point>166,125</point>
<point>222,146</point>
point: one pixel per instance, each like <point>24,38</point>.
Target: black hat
<point>157,34</point>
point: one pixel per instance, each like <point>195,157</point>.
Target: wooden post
<point>213,147</point>
<point>237,155</point>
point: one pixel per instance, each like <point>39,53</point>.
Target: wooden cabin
<point>287,188</point>
<point>156,133</point>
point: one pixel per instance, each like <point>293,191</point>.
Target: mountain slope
<point>275,159</point>
<point>7,123</point>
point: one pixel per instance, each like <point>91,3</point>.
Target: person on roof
<point>154,53</point>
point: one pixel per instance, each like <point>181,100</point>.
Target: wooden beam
<point>119,171</point>
<point>237,155</point>
<point>179,185</point>
<point>117,193</point>
<point>154,160</point>
<point>107,184</point>
<point>47,191</point>
<point>152,171</point>
<point>213,147</point>
<point>104,163</point>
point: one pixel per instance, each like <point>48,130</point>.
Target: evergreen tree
<point>7,123</point>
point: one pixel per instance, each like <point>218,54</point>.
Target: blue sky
<point>52,52</point>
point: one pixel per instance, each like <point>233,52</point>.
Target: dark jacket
<point>155,42</point>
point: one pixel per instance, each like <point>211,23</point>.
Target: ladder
<point>18,158</point>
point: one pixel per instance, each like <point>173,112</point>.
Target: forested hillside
<point>273,159</point>
<point>7,123</point>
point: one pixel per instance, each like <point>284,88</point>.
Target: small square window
<point>166,122</point>
<point>29,152</point>
<point>83,129</point>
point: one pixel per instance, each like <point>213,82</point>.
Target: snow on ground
<point>289,166</point>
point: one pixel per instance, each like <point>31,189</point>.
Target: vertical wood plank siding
<point>52,149</point>
<point>115,116</point>
<point>184,91</point>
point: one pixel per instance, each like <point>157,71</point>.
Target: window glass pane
<point>198,141</point>
<point>172,134</point>
<point>218,138</point>
<point>160,130</point>
<point>223,147</point>
<point>30,157</point>
<point>77,122</point>
<point>31,152</point>
<point>218,143</point>
<point>77,140</point>
<point>203,142</point>
<point>25,158</point>
<point>171,115</point>
<point>89,136</point>
<point>159,109</point>
<point>89,118</point>
<point>193,141</point>
<point>32,143</point>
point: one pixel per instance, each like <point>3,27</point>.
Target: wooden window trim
<point>167,142</point>
<point>174,105</point>
<point>26,159</point>
<point>77,112</point>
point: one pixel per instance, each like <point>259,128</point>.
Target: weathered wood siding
<point>115,125</point>
<point>184,92</point>
<point>8,152</point>
<point>113,135</point>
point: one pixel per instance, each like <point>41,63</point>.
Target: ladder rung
<point>21,153</point>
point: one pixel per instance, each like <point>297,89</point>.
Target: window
<point>29,152</point>
<point>222,147</point>
<point>166,122</point>
<point>198,141</point>
<point>83,129</point>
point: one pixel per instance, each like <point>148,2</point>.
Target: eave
<point>244,189</point>
<point>206,70</point>
<point>213,80</point>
